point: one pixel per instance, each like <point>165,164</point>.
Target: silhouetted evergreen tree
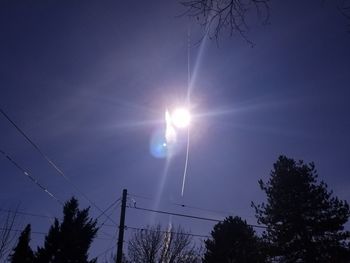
<point>70,240</point>
<point>22,253</point>
<point>233,241</point>
<point>305,223</point>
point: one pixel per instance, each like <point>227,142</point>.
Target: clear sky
<point>88,81</point>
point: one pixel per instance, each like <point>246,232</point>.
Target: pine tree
<point>70,240</point>
<point>51,246</point>
<point>305,222</point>
<point>233,241</point>
<point>22,253</point>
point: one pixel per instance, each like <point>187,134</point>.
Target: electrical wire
<point>41,233</point>
<point>104,222</point>
<point>100,226</point>
<point>114,238</point>
<point>203,209</point>
<point>175,214</point>
<point>141,196</point>
<point>51,217</point>
<point>19,230</point>
<point>34,180</point>
<point>188,216</point>
<point>43,216</point>
<point>25,213</point>
<point>219,212</point>
<point>164,231</point>
<point>52,164</point>
<point>109,207</point>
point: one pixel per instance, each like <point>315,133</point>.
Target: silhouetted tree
<point>305,223</point>
<point>70,240</point>
<point>228,17</point>
<point>152,245</point>
<point>233,241</point>
<point>7,233</point>
<point>22,253</point>
<point>345,8</point>
<point>219,17</point>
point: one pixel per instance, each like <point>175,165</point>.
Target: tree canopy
<point>228,17</point>
<point>7,235</point>
<point>70,240</point>
<point>152,245</point>
<point>305,222</point>
<point>22,253</point>
<point>220,17</point>
<point>233,240</point>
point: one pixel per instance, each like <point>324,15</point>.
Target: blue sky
<point>87,80</point>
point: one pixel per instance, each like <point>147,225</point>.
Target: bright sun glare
<point>181,118</point>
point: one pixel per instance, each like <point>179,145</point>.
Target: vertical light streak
<point>186,162</point>
<point>161,187</point>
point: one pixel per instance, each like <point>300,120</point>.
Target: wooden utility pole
<point>121,228</point>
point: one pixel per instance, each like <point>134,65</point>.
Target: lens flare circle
<point>160,148</point>
<point>158,145</point>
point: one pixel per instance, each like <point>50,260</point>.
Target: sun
<point>181,118</point>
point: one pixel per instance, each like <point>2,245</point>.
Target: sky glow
<point>98,90</point>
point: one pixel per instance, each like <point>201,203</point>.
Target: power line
<point>109,207</point>
<point>175,214</point>
<point>164,231</point>
<point>219,212</point>
<point>141,196</point>
<point>19,230</point>
<point>187,216</point>
<point>107,250</point>
<point>112,240</point>
<point>100,227</point>
<point>185,206</point>
<point>26,214</point>
<point>51,217</point>
<point>203,209</point>
<point>104,222</point>
<point>52,164</point>
<point>34,180</point>
<point>42,233</point>
<point>43,216</point>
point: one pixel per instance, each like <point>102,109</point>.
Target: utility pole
<point>121,227</point>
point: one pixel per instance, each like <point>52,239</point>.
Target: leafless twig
<point>152,244</point>
<point>7,235</point>
<point>226,16</point>
<point>344,8</point>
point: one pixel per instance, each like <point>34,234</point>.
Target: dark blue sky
<point>86,80</point>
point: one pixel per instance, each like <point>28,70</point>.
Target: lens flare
<point>170,133</point>
<point>158,144</point>
<point>181,118</point>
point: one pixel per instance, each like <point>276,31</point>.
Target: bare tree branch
<point>7,235</point>
<point>152,245</point>
<point>344,8</point>
<point>219,17</point>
